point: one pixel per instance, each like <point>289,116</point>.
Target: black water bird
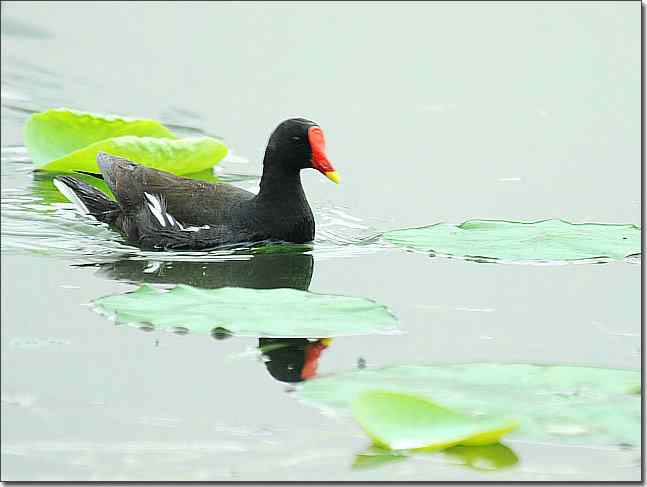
<point>158,210</point>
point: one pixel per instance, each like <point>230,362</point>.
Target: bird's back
<point>189,201</point>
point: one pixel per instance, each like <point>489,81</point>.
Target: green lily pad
<point>637,390</point>
<point>569,404</point>
<point>250,312</point>
<point>67,140</point>
<point>376,456</point>
<point>406,421</point>
<point>177,156</point>
<point>547,240</point>
<point>482,458</point>
<point>55,133</point>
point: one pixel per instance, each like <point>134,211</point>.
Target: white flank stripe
<point>170,219</point>
<point>154,201</point>
<point>72,196</point>
<point>157,214</point>
<point>152,267</point>
<point>196,229</point>
<point>155,207</point>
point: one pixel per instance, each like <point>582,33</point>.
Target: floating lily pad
<point>177,156</point>
<point>67,140</point>
<point>250,312</point>
<point>548,240</point>
<point>570,404</point>
<point>406,421</point>
<point>53,134</point>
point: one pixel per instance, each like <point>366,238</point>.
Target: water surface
<point>432,111</point>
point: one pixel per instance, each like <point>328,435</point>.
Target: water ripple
<point>37,219</point>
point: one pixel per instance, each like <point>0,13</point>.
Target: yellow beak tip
<point>333,176</point>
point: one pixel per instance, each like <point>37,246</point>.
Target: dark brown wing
<point>188,200</point>
<point>154,228</point>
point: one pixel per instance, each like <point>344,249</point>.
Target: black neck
<point>279,182</point>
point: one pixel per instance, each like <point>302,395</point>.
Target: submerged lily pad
<point>551,240</point>
<point>251,312</point>
<point>556,403</point>
<point>405,421</point>
<point>67,140</point>
<point>376,457</point>
<point>482,458</point>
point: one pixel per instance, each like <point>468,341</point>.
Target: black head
<point>296,144</point>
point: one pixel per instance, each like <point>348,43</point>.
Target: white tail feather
<point>72,196</point>
<point>154,201</point>
<point>156,208</point>
<point>157,215</point>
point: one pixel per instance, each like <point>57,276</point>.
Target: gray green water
<point>433,112</point>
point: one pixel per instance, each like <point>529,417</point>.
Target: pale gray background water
<point>433,112</point>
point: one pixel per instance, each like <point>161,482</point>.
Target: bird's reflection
<point>292,359</point>
<point>286,359</point>
<point>262,271</point>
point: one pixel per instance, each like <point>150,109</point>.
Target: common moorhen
<point>158,210</point>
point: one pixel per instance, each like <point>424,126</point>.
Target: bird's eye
<point>296,138</point>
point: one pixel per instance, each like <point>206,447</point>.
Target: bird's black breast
<point>283,221</point>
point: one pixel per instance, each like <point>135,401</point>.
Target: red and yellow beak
<point>319,158</point>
